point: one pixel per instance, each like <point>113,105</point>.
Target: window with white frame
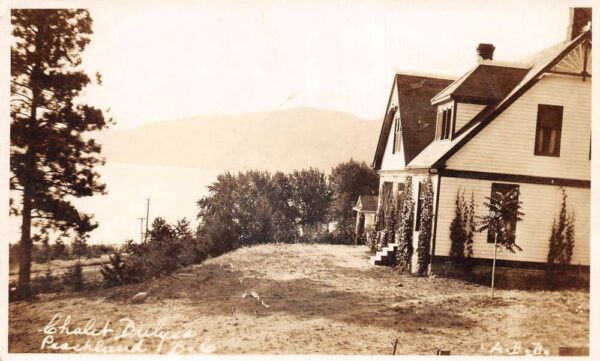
<point>444,124</point>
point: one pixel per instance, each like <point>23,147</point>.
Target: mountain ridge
<point>277,140</point>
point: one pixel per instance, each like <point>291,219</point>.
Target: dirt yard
<point>302,299</point>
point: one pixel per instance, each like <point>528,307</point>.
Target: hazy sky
<point>171,59</point>
<point>164,60</point>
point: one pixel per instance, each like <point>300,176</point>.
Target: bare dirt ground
<point>306,299</point>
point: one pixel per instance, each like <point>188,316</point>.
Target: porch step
<point>386,256</point>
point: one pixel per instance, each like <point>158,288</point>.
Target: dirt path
<point>313,299</point>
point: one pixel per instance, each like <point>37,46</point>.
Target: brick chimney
<point>578,19</point>
<point>485,52</point>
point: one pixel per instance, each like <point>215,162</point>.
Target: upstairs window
<point>444,124</point>
<point>548,130</point>
<point>392,117</point>
<point>397,133</point>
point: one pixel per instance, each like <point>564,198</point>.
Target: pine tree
<point>52,159</point>
<point>73,278</point>
<point>114,272</point>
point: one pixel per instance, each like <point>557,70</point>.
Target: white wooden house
<point>365,208</point>
<point>500,126</point>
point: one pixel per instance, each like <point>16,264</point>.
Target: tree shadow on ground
<point>526,280</point>
<point>215,289</point>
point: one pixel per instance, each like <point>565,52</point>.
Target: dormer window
<point>444,124</point>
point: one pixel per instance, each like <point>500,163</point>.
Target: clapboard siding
<point>506,145</point>
<point>541,203</point>
<point>392,160</point>
<point>466,112</point>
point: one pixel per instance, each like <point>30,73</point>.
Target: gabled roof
<point>417,115</point>
<point>366,203</point>
<point>486,83</point>
<point>436,153</point>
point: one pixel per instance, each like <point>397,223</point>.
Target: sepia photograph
<point>333,177</point>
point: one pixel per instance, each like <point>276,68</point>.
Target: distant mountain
<point>279,140</point>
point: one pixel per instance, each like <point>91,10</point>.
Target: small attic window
<point>444,124</point>
<point>397,132</point>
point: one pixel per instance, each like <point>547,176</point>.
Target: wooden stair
<point>386,256</point>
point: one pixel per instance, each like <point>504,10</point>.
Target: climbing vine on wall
<point>404,232</point>
<point>390,221</point>
<point>461,231</point>
<point>425,228</point>
<point>562,238</point>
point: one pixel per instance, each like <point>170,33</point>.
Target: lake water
<point>173,192</point>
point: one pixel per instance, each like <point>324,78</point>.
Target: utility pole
<point>141,229</point>
<point>147,218</point>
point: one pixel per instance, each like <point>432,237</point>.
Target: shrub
<point>73,278</point>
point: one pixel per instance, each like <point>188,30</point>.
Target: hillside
<point>280,140</point>
<point>306,299</point>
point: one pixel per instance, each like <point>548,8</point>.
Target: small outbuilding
<point>366,208</point>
